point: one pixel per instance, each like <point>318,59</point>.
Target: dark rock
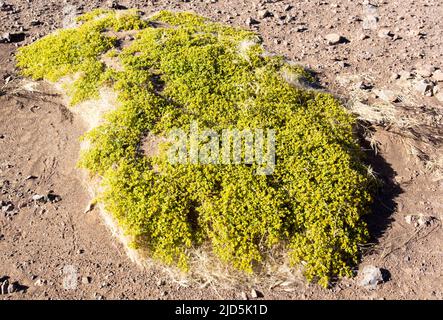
<point>6,206</point>
<point>363,85</point>
<point>113,4</point>
<point>53,197</point>
<point>35,22</point>
<point>301,28</point>
<point>11,37</point>
<point>90,207</point>
<point>50,197</point>
<point>5,7</point>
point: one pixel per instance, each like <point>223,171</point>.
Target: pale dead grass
<point>418,131</point>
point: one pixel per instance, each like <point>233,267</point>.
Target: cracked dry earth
<point>385,67</point>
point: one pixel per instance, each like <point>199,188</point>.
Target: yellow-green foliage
<point>182,68</point>
<point>72,51</point>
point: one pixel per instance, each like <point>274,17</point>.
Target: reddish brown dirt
<point>39,138</point>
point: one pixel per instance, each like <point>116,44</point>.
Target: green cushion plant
<point>182,68</point>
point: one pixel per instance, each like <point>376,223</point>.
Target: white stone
<point>371,276</point>
<point>333,38</point>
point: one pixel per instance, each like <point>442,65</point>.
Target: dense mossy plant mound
<point>181,69</point>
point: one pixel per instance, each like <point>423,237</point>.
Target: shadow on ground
<point>387,191</point>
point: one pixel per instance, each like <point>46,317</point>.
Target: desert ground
<point>384,59</point>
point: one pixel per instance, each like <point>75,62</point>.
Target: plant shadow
<point>384,204</point>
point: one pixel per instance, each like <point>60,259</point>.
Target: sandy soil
<point>45,244</point>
